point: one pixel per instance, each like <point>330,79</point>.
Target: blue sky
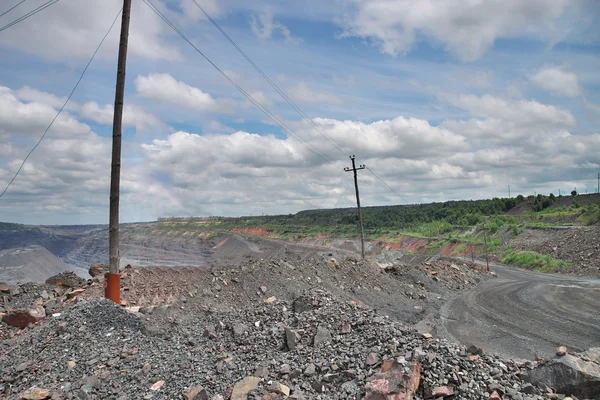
<point>443,100</point>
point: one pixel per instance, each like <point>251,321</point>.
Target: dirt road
<point>523,314</point>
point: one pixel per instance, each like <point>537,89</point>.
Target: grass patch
<point>533,260</point>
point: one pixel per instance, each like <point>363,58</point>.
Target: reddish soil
<point>252,231</point>
<point>405,243</point>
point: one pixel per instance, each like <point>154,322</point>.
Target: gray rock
<point>290,339</point>
<point>322,336</point>
<point>570,374</point>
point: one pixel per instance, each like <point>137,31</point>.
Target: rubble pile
<point>579,246</point>
<point>315,347</point>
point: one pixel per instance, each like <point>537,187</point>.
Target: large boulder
<point>22,318</point>
<point>97,269</point>
<point>577,375</point>
<point>67,279</point>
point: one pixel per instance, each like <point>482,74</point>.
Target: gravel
<point>124,355</point>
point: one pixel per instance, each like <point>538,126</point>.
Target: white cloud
<point>557,81</point>
<point>165,88</point>
<point>17,117</point>
<point>520,112</point>
<point>302,92</point>
<point>37,96</point>
<point>71,30</point>
<point>466,28</point>
<point>133,115</point>
<point>263,27</point>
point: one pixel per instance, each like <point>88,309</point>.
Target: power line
<point>273,84</point>
<point>283,95</point>
<point>12,8</point>
<point>388,186</point>
<point>29,14</point>
<point>268,113</point>
<point>64,104</point>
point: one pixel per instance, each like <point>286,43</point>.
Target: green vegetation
<point>591,214</point>
<point>532,260</point>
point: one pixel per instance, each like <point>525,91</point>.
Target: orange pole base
<point>112,287</point>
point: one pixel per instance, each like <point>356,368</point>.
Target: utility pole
<point>598,182</point>
<point>112,283</point>
<point>509,191</point>
<point>362,232</point>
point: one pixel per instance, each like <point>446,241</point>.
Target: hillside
<point>31,264</point>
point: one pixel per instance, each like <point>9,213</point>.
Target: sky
<point>441,99</point>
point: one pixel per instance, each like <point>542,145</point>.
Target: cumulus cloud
<point>557,81</point>
<point>467,29</point>
<point>133,115</point>
<point>263,25</point>
<point>226,172</point>
<point>165,88</point>
<point>71,30</point>
<point>32,118</point>
<point>520,112</point>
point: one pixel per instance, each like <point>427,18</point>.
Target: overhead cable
<point>63,106</point>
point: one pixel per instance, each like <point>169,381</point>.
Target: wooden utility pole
<point>112,283</point>
<point>360,221</point>
<point>598,188</point>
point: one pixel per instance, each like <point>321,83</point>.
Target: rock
<point>263,289</point>
<point>157,385</point>
<point>66,279</point>
<point>475,350</point>
<point>301,304</point>
<point>528,388</point>
<point>372,359</point>
<point>239,330</point>
<point>278,388</point>
<point>442,391</point>
<point>392,383</point>
<point>321,337</point>
<point>285,369</point>
<point>35,393</point>
<point>569,374</point>
<point>22,318</point>
<point>4,287</point>
<point>71,364</point>
<point>427,335</point>
<point>290,339</point>
<point>243,387</point>
<point>495,396</point>
<point>97,269</point>
<point>561,351</point>
<point>270,299</point>
<point>350,387</point>
<point>195,393</point>
<point>23,366</point>
<point>210,332</point>
<point>310,370</point>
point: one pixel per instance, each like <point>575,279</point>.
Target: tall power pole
<point>598,182</point>
<point>360,221</point>
<point>112,285</point>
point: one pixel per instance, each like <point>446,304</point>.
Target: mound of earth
<point>579,246</point>
<point>313,348</point>
<point>404,292</point>
<point>31,264</point>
